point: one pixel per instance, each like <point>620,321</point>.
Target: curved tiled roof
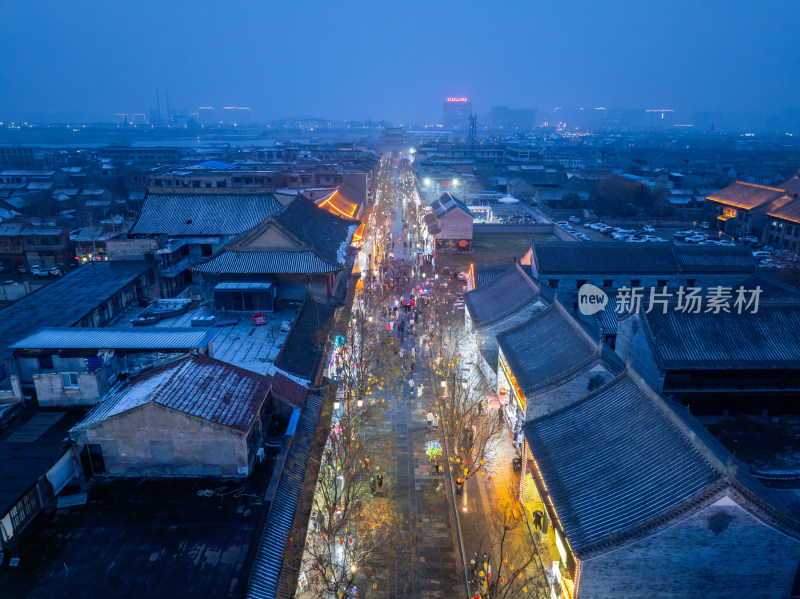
<point>267,262</point>
<point>317,228</point>
<point>766,340</point>
<point>505,295</point>
<point>623,461</point>
<point>614,461</point>
<point>547,346</point>
<point>183,215</point>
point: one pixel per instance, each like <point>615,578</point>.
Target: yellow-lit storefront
<point>511,400</point>
<point>553,547</point>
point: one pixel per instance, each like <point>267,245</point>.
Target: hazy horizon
<point>89,60</point>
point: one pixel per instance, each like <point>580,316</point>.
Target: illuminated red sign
<point>457,100</point>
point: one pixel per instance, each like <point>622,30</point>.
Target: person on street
<point>419,390</point>
<point>429,416</point>
<point>379,476</point>
<point>373,486</point>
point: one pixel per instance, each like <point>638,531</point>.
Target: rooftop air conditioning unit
<point>260,455</point>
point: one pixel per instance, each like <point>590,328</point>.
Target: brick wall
<point>155,441</point>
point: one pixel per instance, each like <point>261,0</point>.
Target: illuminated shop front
<point>554,549</point>
<point>511,400</point>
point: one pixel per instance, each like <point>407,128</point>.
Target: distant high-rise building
<point>658,117</point>
<point>512,119</point>
<point>456,113</point>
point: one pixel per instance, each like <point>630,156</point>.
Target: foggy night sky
<point>394,60</point>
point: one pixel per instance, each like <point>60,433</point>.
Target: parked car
<point>574,220</point>
<point>705,225</point>
<point>758,255</point>
<point>562,223</point>
<point>648,229</point>
<point>40,273</point>
<point>694,239</point>
<point>751,239</point>
<point>21,269</point>
<point>726,243</point>
<point>54,271</point>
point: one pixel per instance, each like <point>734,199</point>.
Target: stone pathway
<point>422,495</point>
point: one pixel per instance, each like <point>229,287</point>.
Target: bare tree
<point>470,429</point>
<point>356,532</point>
<point>505,563</point>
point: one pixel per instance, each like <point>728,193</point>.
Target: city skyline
<point>95,61</point>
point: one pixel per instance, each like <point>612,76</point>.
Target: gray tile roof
<point>182,215</point>
<point>617,460</point>
<point>112,338</point>
<point>559,257</point>
<point>302,351</point>
<point>505,295</point>
<point>11,228</point>
<point>65,301</point>
<point>483,273</point>
<point>771,289</point>
<point>321,245</point>
<point>548,346</point>
<point>581,257</point>
<point>199,386</point>
<point>700,259</point>
<point>766,340</point>
<point>267,262</point>
<point>327,233</point>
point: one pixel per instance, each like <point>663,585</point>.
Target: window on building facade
<point>25,509</point>
<point>205,250</point>
<point>580,283</point>
<point>46,362</point>
<point>553,283</point>
<point>662,283</point>
<point>69,380</point>
<point>636,282</point>
<point>690,282</point>
<point>608,283</point>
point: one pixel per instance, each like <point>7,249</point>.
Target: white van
<point>761,255</point>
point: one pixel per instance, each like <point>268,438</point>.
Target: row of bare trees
<point>356,532</point>
<point>505,563</point>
